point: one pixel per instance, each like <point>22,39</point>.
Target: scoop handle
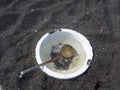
<point>37,66</point>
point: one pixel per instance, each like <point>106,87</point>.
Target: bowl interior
<point>63,37</point>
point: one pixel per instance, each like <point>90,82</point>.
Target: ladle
<point>66,51</point>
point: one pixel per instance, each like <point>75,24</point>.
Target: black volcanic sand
<point>23,22</point>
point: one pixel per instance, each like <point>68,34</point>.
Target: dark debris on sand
<point>23,22</point>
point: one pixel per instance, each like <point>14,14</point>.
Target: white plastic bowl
<point>64,36</point>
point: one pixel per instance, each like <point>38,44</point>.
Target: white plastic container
<point>65,36</point>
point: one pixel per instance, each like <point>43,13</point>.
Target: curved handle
<point>89,62</point>
<point>37,66</point>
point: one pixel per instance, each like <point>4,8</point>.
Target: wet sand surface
<point>23,22</point>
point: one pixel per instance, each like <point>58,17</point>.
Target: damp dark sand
<point>23,22</point>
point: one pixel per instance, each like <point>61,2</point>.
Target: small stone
<point>45,19</point>
<point>1,87</point>
<point>87,12</point>
<point>32,10</point>
<point>36,30</point>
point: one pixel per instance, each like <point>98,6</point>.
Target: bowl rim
<point>51,73</point>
